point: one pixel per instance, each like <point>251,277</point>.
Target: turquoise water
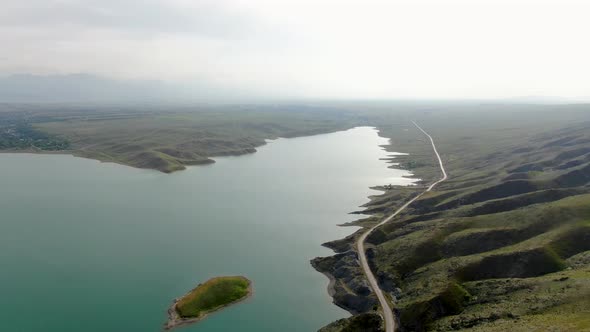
<point>89,246</point>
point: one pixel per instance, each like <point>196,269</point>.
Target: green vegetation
<point>168,140</point>
<point>504,243</point>
<point>20,135</point>
<point>215,293</point>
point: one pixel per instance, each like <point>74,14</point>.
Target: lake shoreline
<point>169,220</point>
<point>179,165</point>
<point>348,286</point>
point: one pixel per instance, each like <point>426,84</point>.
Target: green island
<point>213,295</point>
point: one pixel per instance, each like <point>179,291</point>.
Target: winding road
<point>360,244</point>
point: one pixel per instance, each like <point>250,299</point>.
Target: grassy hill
<point>503,244</point>
<point>156,137</point>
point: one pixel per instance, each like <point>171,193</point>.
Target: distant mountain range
<point>77,87</point>
<point>91,88</point>
<point>544,100</point>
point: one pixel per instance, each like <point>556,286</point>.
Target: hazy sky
<point>351,49</point>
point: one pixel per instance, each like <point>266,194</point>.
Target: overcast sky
<point>326,49</point>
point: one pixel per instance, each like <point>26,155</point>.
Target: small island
<point>213,295</point>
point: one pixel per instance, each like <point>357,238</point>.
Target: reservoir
<point>89,246</point>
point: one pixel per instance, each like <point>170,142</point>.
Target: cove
<point>89,246</point>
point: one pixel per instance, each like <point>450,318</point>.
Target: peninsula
<point>213,295</point>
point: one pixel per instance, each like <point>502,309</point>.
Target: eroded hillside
<point>503,244</point>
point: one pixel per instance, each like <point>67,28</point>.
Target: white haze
<point>311,49</point>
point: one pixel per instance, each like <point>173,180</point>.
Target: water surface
<point>89,246</point>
